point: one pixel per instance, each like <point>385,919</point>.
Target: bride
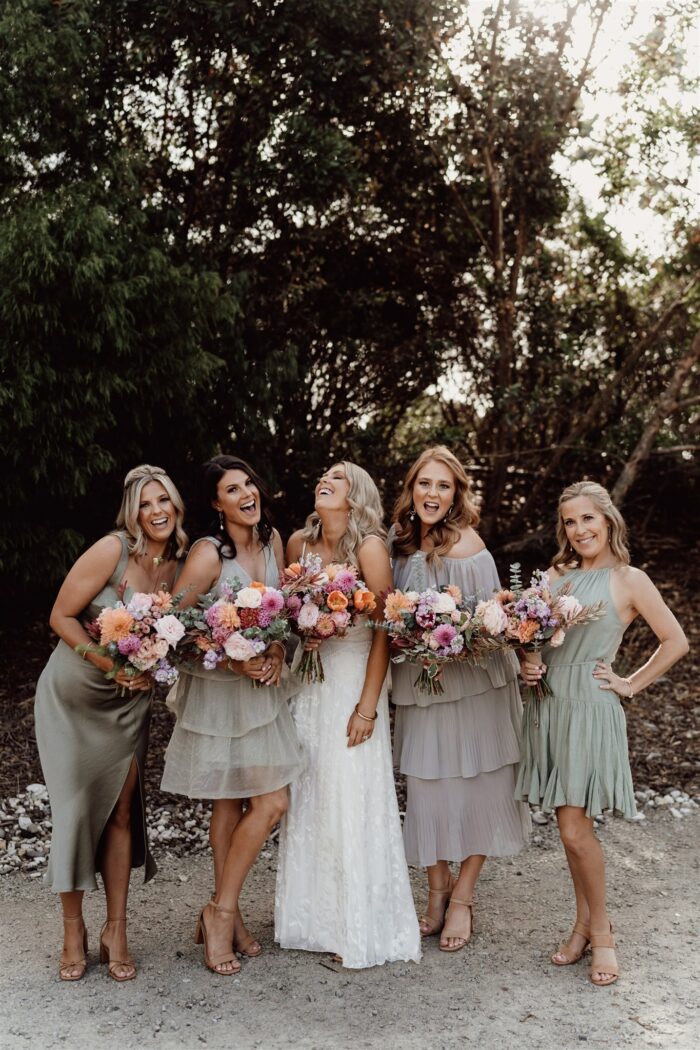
<point>342,880</point>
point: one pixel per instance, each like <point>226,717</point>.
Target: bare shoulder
<point>203,554</point>
<point>633,579</point>
<point>468,544</point>
<point>373,550</point>
<point>105,553</point>
<point>295,544</point>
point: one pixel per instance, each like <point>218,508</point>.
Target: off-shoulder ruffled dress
<point>459,750</point>
<point>88,733</point>
<point>231,739</point>
<point>575,750</point>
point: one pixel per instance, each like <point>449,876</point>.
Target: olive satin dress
<point>88,734</point>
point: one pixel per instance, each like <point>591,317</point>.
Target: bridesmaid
<point>575,761</point>
<point>458,750</point>
<point>342,879</point>
<point>232,741</point>
<point>93,740</point>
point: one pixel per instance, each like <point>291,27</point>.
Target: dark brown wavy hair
<point>444,535</point>
<point>212,472</point>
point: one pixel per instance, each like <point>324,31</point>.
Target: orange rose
<point>294,569</point>
<point>257,586</point>
<point>527,630</point>
<point>337,601</point>
<point>364,601</point>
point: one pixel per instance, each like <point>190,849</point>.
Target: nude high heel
<point>105,957</point>
<point>458,947</point>
<point>434,926</point>
<point>82,963</point>
<point>569,957</point>
<point>200,937</point>
<point>603,963</point>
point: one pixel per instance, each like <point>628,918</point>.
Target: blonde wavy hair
<point>566,556</point>
<point>365,515</point>
<point>128,516</point>
<point>406,538</point>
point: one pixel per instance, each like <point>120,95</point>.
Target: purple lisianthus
<point>129,645</point>
<point>211,659</point>
<point>165,673</point>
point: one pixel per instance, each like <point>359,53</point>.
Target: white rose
<point>568,607</point>
<point>444,603</point>
<point>557,638</point>
<point>170,628</point>
<point>494,619</point>
<point>249,598</point>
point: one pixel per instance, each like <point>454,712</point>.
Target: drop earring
<point>221,521</point>
<point>412,515</point>
<point>449,511</point>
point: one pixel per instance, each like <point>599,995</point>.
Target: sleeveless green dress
<point>577,755</point>
<point>87,734</point>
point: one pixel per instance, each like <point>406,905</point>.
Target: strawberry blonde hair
<point>444,534</point>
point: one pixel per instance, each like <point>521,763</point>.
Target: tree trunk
<point>666,406</point>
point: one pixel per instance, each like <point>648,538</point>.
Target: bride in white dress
<point>342,879</point>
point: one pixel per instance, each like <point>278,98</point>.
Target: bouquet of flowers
<point>238,625</point>
<point>432,628</point>
<point>530,618</point>
<point>138,636</point>
<point>322,603</point>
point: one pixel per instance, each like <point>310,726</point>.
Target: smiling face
<point>157,515</point>
<point>433,492</point>
<point>237,496</point>
<point>586,527</point>
<point>333,489</point>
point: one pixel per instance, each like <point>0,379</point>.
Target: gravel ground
<point>500,990</point>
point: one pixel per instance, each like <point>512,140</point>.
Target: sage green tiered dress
<point>575,742</point>
<point>88,733</point>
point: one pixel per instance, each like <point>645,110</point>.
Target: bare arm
<point>295,545</point>
<point>88,576</point>
<point>634,595</point>
<point>376,572</point>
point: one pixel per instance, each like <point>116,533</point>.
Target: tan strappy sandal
<point>81,963</point>
<point>435,925</point>
<point>458,947</point>
<point>200,937</point>
<point>569,957</point>
<point>112,964</point>
<point>603,953</point>
<point>250,948</point>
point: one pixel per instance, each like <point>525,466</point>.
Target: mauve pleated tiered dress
<point>460,750</point>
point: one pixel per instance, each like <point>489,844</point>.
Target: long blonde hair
<point>444,534</point>
<point>128,516</point>
<point>566,556</point>
<point>365,515</point>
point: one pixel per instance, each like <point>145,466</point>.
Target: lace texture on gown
<point>342,881</point>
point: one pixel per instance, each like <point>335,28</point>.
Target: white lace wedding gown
<point>342,879</point>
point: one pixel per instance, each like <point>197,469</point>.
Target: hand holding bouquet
<point>138,636</point>
<point>322,603</point>
<point>239,625</point>
<point>530,618</point>
<point>432,628</point>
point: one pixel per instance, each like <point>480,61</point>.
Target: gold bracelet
<point>365,718</point>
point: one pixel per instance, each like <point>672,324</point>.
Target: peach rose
<point>258,586</point>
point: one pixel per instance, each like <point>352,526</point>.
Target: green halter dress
<point>577,754</point>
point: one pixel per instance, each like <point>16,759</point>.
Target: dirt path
<point>501,991</point>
